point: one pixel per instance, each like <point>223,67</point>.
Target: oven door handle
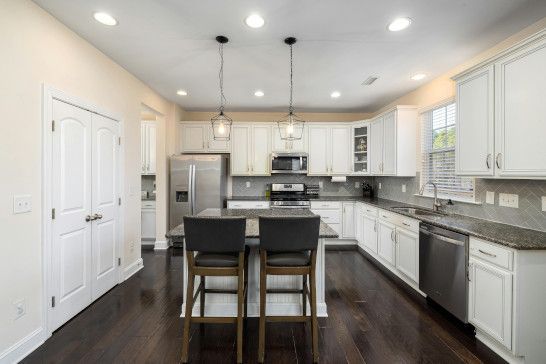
<point>442,238</point>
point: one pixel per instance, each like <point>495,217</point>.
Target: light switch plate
<point>404,188</point>
<point>22,204</point>
<point>357,184</point>
<point>490,197</point>
<point>20,309</point>
<point>247,184</point>
<point>543,203</point>
<point>379,185</point>
<point>508,200</point>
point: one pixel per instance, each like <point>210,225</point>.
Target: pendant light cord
<point>290,107</point>
<point>221,77</point>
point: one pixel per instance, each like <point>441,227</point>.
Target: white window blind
<point>438,155</point>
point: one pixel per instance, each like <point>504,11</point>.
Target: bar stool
<point>219,244</point>
<point>288,246</point>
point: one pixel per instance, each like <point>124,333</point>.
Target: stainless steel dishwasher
<point>443,264</point>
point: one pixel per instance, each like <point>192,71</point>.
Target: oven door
<point>289,163</point>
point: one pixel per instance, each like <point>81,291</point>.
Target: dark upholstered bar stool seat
<point>215,260</point>
<point>291,259</point>
<point>288,246</point>
<point>215,247</point>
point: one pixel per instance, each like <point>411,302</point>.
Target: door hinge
<point>53,214</point>
<point>119,140</point>
<point>119,201</point>
<point>52,301</point>
<point>52,125</point>
<point>119,261</point>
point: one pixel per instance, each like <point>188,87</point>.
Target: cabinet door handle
<point>469,273</point>
<point>487,253</point>
<point>406,224</point>
<point>392,239</point>
<point>375,226</point>
<point>487,161</point>
<point>497,160</point>
<point>89,218</point>
<point>385,216</point>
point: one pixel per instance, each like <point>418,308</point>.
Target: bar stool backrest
<point>215,234</point>
<point>289,234</point>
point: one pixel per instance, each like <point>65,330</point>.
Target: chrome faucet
<point>436,206</point>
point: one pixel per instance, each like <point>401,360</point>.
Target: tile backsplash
<point>528,214</point>
<point>258,184</point>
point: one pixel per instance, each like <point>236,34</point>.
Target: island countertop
<point>252,215</point>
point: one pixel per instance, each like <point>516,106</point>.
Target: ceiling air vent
<point>369,81</point>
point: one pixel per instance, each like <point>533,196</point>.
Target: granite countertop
<point>252,215</point>
<point>247,198</point>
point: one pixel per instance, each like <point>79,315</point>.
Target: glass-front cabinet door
<point>361,133</point>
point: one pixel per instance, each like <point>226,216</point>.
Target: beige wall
<point>37,49</point>
<point>273,116</point>
<point>443,88</point>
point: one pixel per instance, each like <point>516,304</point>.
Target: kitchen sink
<point>417,211</point>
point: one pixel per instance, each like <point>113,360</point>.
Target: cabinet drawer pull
<point>487,253</point>
<point>384,216</point>
<point>406,224</point>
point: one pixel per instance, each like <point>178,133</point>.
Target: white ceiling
<point>169,44</point>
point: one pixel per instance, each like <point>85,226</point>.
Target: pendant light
<point>291,126</point>
<point>221,123</point>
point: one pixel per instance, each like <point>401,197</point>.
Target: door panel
<point>385,236</point>
<point>71,198</point>
<point>389,143</point>
<point>193,138</point>
<point>376,146</point>
<point>318,150</point>
<point>407,253</point>
<point>240,150</point>
<point>105,204</point>
<point>151,142</point>
<point>261,154</point>
<point>369,233</point>
<point>341,150</point>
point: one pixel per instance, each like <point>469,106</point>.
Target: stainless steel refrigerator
<point>198,182</point>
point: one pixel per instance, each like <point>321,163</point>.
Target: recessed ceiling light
<point>335,94</point>
<point>399,24</point>
<point>182,93</point>
<point>255,21</point>
<point>418,76</point>
<point>105,19</point>
<point>259,93</point>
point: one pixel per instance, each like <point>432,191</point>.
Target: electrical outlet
<point>132,245</point>
<point>320,184</point>
<point>247,184</point>
<point>20,309</point>
<point>357,184</point>
<point>490,197</point>
<point>404,188</point>
<point>508,200</point>
<point>379,185</point>
<point>543,203</point>
<point>22,204</point>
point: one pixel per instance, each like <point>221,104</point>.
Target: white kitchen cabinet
<point>369,232</point>
<point>392,142</point>
<point>490,300</point>
<point>360,152</point>
<point>385,241</point>
<point>348,220</point>
<point>245,204</point>
<point>148,135</point>
<point>359,224</point>
<point>251,148</point>
<point>197,137</point>
<point>285,146</point>
<point>500,114</point>
<point>407,253</point>
<point>474,147</point>
<point>329,150</point>
<point>148,220</point>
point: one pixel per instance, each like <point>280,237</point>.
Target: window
<point>438,155</point>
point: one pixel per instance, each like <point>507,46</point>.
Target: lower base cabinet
<point>147,221</point>
<point>407,253</point>
<point>385,241</point>
<point>369,233</point>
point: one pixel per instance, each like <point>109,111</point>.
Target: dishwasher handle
<point>442,238</point>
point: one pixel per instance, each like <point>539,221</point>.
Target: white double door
<point>85,226</point>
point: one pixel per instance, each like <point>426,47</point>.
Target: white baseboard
<point>214,309</point>
<point>498,348</point>
<point>23,347</point>
<point>132,268</point>
<point>161,245</point>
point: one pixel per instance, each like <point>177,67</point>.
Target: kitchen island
<point>278,304</point>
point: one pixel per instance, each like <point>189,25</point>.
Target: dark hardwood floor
<point>371,319</point>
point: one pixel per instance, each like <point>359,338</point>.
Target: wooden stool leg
<point>314,322</point>
<point>202,297</point>
<point>263,288</point>
<point>240,302</point>
<point>304,295</point>
<point>187,317</point>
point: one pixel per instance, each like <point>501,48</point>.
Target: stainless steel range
<point>289,195</point>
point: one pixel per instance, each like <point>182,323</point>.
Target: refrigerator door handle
<point>190,189</point>
<point>193,197</point>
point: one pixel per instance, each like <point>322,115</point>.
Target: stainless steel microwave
<point>289,163</point>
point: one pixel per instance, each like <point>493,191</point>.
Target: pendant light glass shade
<point>221,123</point>
<point>291,126</point>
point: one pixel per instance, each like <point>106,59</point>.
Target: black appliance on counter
<point>289,195</point>
<point>367,190</point>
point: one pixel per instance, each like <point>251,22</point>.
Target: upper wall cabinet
<point>283,146</point>
<point>148,135</point>
<point>393,145</point>
<point>197,137</point>
<point>501,114</point>
<point>329,149</point>
<point>360,154</point>
<point>251,149</point>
